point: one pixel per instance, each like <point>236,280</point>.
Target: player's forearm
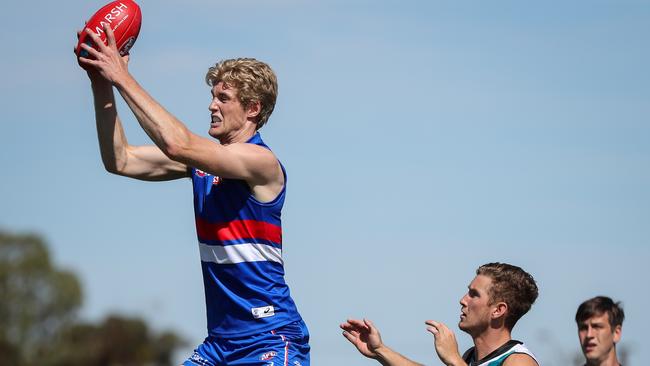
<point>165,130</point>
<point>388,357</point>
<point>110,134</point>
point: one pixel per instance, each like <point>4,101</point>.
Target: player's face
<point>475,306</point>
<point>597,338</point>
<point>228,115</point>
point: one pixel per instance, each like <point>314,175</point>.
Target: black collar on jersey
<point>470,354</point>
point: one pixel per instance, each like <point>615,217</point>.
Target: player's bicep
<point>252,163</point>
<point>150,163</point>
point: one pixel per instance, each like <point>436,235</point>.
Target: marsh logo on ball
<point>122,17</point>
<point>112,15</point>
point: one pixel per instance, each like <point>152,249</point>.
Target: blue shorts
<point>284,346</point>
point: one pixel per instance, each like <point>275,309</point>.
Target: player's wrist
<point>382,351</point>
<point>456,360</point>
<point>124,81</point>
<point>97,81</point>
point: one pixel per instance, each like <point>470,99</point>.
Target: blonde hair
<point>254,80</point>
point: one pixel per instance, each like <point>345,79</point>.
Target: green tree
<point>116,341</point>
<point>38,300</point>
<point>38,324</point>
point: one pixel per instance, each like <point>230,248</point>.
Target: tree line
<point>39,323</point>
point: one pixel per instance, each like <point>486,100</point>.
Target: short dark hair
<point>512,285</point>
<point>600,305</point>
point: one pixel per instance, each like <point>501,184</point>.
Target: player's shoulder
<point>250,148</point>
<point>520,359</point>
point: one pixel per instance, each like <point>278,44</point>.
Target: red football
<point>124,18</point>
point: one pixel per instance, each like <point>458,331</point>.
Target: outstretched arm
<point>445,343</point>
<point>366,338</point>
<point>140,162</point>
<point>254,164</point>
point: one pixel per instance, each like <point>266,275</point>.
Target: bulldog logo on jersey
<point>200,173</point>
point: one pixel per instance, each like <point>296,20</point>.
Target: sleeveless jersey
<point>240,243</point>
<point>499,355</point>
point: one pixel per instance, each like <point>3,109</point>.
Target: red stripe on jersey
<point>286,353</point>
<point>239,229</point>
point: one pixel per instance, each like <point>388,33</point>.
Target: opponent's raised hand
<point>363,335</point>
<point>445,343</point>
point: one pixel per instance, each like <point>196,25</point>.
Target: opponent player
<point>600,323</point>
<point>239,189</point>
<point>496,299</point>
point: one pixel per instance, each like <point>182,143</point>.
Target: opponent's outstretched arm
<point>366,338</point>
<point>254,164</point>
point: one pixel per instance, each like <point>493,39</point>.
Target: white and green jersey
<point>499,355</point>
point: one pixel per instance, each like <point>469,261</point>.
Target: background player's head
<point>600,322</point>
<point>499,296</point>
<point>254,80</point>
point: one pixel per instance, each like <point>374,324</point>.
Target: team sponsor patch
<point>263,312</point>
<point>268,355</point>
<point>198,360</point>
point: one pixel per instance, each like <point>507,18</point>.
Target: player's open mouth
<point>215,120</point>
<point>589,347</point>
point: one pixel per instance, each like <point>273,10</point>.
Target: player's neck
<point>609,360</point>
<point>238,136</point>
<point>491,339</point>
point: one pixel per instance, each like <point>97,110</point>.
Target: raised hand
<point>363,335</point>
<point>106,59</point>
<point>445,343</point>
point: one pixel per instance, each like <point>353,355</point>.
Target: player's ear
<point>499,309</point>
<point>253,109</point>
<point>617,333</point>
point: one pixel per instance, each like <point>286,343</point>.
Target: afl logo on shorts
<point>268,355</point>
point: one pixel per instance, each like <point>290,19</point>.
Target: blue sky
<point>421,139</point>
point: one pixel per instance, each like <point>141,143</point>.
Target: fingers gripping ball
<point>124,17</point>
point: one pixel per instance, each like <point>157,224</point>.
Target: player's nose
<point>213,106</point>
<point>463,300</point>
